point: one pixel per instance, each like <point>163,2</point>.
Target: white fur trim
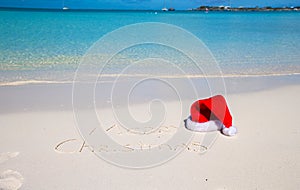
<point>213,125</point>
<point>231,131</point>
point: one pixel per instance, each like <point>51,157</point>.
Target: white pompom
<point>231,131</point>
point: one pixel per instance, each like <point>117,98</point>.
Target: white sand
<point>264,155</point>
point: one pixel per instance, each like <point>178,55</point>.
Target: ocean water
<point>49,45</point>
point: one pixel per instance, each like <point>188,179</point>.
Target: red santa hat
<point>211,114</point>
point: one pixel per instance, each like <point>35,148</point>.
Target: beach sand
<point>40,147</point>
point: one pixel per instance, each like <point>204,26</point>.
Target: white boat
<point>165,8</point>
<point>63,6</point>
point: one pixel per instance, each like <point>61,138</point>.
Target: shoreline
<point>227,76</point>
<point>58,96</point>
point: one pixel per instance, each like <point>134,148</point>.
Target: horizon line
<point>99,9</point>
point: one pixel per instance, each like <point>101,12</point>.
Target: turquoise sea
<point>48,45</point>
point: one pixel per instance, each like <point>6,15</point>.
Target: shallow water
<point>48,46</point>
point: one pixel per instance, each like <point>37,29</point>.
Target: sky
<point>142,4</point>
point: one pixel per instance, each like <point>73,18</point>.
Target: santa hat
<point>211,114</point>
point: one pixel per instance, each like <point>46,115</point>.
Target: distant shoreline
<point>200,9</point>
<point>246,9</point>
